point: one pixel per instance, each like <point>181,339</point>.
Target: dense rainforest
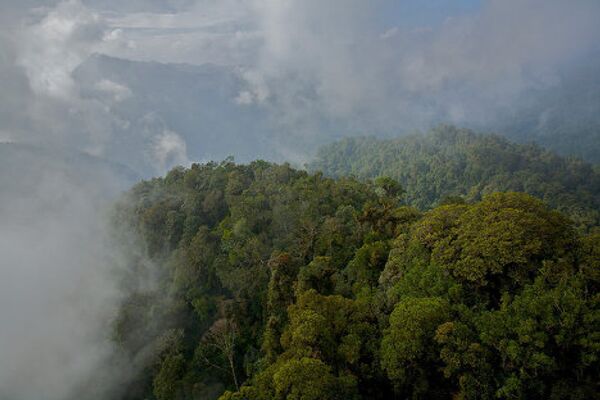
<point>262,282</point>
<point>448,161</point>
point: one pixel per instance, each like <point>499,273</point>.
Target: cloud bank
<point>312,70</point>
<point>337,59</point>
<point>57,291</point>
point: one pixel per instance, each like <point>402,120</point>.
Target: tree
<point>409,353</point>
<point>222,337</point>
<point>386,186</point>
<point>311,379</point>
<point>280,284</point>
<point>166,382</point>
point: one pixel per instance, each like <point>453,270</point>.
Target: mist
<point>98,94</point>
<point>57,288</point>
<point>155,84</point>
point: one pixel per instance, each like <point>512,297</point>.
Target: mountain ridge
<point>449,161</point>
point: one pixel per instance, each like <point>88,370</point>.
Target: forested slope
<point>261,282</point>
<point>455,162</point>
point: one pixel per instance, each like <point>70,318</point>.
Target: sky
<point>97,93</point>
<point>417,14</point>
<point>307,71</point>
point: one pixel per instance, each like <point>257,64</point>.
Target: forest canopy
<point>448,162</point>
<point>262,282</point>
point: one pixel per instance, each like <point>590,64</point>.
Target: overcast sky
<point>316,68</point>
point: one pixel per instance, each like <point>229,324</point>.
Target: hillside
<point>197,102</point>
<point>260,282</point>
<point>448,162</point>
<point>201,104</point>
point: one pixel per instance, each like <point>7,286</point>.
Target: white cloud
<point>117,91</point>
<point>332,60</point>
<point>51,49</point>
<point>244,98</point>
<point>258,91</point>
<point>57,287</point>
<point>169,150</point>
<point>312,66</point>
<point>204,31</point>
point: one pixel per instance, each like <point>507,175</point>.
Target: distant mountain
<point>198,103</point>
<point>455,162</point>
<point>210,110</point>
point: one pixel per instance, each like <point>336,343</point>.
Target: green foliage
<point>225,242</point>
<point>408,350</point>
<point>311,379</point>
<point>260,282</point>
<point>364,269</point>
<point>386,186</point>
<point>166,380</point>
<point>541,332</point>
<point>449,163</point>
<point>506,235</point>
<point>319,274</point>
